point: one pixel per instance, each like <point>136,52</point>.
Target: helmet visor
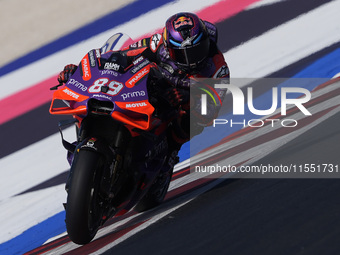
<point>190,55</point>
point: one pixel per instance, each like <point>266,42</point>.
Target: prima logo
<point>77,84</point>
<point>133,94</point>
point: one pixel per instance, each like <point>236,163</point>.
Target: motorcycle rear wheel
<point>83,215</point>
<point>156,193</point>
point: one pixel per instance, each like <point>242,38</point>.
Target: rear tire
<point>83,216</point>
<point>155,194</point>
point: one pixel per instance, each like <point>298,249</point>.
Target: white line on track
<point>263,3</point>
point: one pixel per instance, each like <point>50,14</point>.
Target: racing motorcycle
<point>121,143</point>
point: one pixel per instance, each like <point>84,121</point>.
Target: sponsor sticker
<point>92,58</point>
<point>77,84</point>
<point>140,66</point>
<point>135,105</point>
<point>71,93</point>
<point>109,72</point>
<point>183,21</point>
<point>86,68</point>
<point>138,60</point>
<point>111,66</point>
<point>138,77</point>
<point>222,72</point>
<point>133,94</point>
<point>154,42</point>
<point>90,144</point>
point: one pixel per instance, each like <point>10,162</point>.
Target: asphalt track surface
<point>257,216</point>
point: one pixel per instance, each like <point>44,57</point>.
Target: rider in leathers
<point>186,49</point>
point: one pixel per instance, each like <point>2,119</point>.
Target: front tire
<point>83,215</point>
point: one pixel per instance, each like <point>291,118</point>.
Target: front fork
<point>70,147</point>
<point>112,158</point>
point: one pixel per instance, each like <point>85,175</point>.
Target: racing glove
<point>65,75</point>
<point>177,96</point>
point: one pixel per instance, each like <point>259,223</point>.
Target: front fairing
<point>107,81</point>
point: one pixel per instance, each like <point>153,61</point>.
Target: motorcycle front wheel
<point>83,213</point>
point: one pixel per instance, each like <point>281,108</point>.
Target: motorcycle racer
<point>186,50</point>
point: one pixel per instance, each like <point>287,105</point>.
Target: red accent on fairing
<point>69,95</point>
<point>85,64</point>
<point>142,110</point>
